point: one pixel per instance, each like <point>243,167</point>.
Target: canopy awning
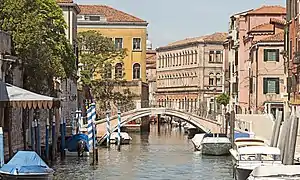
<point>17,97</point>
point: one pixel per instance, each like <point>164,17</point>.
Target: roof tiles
<point>279,37</point>
<point>111,14</point>
<point>268,10</point>
<point>263,27</point>
<point>64,1</point>
<point>216,37</point>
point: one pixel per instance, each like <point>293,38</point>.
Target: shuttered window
<point>271,85</point>
<point>271,55</point>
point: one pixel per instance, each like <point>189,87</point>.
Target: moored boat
<point>285,172</point>
<point>125,138</point>
<point>26,165</point>
<point>215,144</point>
<point>77,145</point>
<point>247,158</point>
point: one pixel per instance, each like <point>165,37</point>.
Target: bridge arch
<point>202,124</point>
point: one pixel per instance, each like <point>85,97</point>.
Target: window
<point>211,79</point>
<point>271,85</point>
<point>196,57</point>
<point>118,43</point>
<point>211,56</point>
<point>136,44</point>
<point>136,71</point>
<point>94,18</point>
<point>218,56</point>
<point>118,70</point>
<point>271,55</point>
<point>218,79</point>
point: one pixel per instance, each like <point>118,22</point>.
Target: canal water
<point>160,155</point>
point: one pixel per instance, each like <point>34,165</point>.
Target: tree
<point>223,99</point>
<point>98,56</point>
<point>37,28</point>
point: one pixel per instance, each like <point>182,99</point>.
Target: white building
<point>68,87</point>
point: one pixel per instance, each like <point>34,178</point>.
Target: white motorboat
<point>125,138</point>
<point>285,172</point>
<point>247,158</point>
<point>212,144</point>
<point>215,144</point>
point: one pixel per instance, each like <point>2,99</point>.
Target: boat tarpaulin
<point>26,162</point>
<point>72,142</point>
<point>241,135</point>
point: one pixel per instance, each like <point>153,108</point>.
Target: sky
<point>172,20</point>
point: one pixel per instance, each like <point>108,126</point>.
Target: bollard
<point>1,147</point>
<point>107,129</point>
<point>62,137</point>
<point>38,137</point>
<point>119,128</point>
<point>47,140</point>
<point>32,135</point>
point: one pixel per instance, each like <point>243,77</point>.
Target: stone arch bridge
<point>203,124</point>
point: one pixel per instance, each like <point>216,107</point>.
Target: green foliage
<point>37,28</point>
<point>98,56</point>
<point>223,99</point>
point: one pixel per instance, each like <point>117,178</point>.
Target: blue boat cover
<point>241,135</point>
<point>26,162</point>
<point>72,142</point>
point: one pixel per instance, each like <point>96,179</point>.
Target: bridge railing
<point>199,109</point>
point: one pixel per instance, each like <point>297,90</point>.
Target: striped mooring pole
<point>119,128</point>
<point>90,128</point>
<point>107,129</point>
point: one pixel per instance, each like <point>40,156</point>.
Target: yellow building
<point>126,31</point>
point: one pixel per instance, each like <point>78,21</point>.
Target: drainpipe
<point>256,79</point>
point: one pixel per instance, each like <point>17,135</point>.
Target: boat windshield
<point>260,157</point>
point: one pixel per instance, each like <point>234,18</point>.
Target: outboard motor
<point>81,147</point>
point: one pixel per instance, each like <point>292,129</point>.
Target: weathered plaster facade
<point>189,72</point>
<point>239,49</point>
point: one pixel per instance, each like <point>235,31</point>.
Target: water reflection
<point>164,153</point>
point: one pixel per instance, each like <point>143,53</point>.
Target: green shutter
<point>265,54</point>
<point>265,86</point>
<point>277,55</point>
<point>277,86</point>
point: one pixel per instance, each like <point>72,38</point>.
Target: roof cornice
<point>74,5</point>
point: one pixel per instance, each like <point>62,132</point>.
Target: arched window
<point>136,71</point>
<point>118,70</point>
<point>180,59</point>
<point>196,57</point>
<point>211,79</point>
<point>218,79</point>
<point>108,69</point>
<point>192,57</point>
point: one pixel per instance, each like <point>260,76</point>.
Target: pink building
<point>267,85</point>
<point>247,26</point>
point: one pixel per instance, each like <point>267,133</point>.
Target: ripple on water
<point>167,155</point>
